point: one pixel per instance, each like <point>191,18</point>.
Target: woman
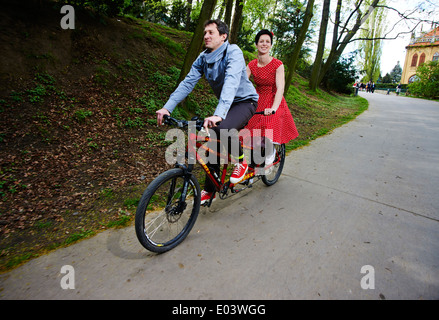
<point>269,77</point>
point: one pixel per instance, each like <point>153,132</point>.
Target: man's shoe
<point>238,174</point>
<point>205,196</point>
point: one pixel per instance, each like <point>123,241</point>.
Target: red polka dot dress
<point>281,123</point>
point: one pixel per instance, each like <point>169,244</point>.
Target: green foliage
<point>340,76</point>
<point>173,47</point>
<point>395,74</point>
<point>371,50</point>
<point>81,114</point>
<point>36,94</point>
<point>109,8</point>
<point>387,78</point>
<point>178,14</point>
<point>286,28</point>
<point>154,11</point>
<point>427,84</point>
<point>137,122</point>
<point>391,86</point>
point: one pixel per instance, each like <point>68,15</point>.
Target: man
<point>224,67</point>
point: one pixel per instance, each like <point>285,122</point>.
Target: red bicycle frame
<point>197,142</point>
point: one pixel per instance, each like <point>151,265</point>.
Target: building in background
<point>420,50</point>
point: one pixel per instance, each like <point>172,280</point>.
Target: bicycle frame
<point>197,142</point>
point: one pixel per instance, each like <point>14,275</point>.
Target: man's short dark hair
<point>220,25</point>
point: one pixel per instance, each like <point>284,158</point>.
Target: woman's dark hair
<point>221,26</point>
<point>264,31</point>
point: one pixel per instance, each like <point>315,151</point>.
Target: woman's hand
<point>269,111</point>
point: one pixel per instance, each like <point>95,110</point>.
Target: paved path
<point>364,195</point>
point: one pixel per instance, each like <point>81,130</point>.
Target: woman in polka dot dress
<point>269,77</point>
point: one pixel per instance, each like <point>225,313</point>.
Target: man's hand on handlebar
<point>211,122</point>
<point>160,113</point>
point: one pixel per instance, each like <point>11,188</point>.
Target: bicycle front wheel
<point>273,173</point>
<point>163,218</point>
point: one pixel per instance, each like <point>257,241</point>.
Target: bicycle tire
<point>271,178</point>
<point>158,215</point>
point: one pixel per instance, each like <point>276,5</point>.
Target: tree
<point>371,50</point>
<point>344,33</point>
<point>154,10</point>
<point>286,26</point>
<point>427,84</point>
<point>387,78</point>
<point>396,73</point>
<point>237,17</point>
<point>197,39</point>
<point>178,15</point>
<point>188,14</point>
<point>292,59</point>
<point>321,47</point>
<point>341,75</point>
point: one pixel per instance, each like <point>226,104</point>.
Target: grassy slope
<point>78,140</point>
<point>317,113</point>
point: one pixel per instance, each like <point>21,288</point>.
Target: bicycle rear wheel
<point>275,171</point>
<point>163,220</point>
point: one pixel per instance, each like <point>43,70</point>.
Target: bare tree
<point>343,34</point>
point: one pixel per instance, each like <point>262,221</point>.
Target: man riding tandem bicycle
<point>170,205</point>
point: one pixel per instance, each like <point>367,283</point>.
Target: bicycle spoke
<point>166,224</point>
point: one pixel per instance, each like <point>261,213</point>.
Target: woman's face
<point>264,44</point>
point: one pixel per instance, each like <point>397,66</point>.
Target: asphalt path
<point>355,215</point>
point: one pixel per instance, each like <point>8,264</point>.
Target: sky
<point>393,51</point>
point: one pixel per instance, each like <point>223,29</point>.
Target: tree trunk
<point>228,14</point>
<point>197,39</point>
<point>321,47</point>
<point>292,60</point>
<point>233,36</point>
<point>188,14</point>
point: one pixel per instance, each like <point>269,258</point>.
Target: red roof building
<point>420,50</point>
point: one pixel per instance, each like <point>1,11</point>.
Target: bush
<point>427,84</point>
<point>340,76</point>
<point>389,86</point>
<point>109,8</point>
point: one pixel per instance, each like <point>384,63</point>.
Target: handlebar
<point>183,123</point>
<point>199,122</point>
<point>262,112</point>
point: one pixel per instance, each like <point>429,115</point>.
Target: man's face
<point>212,39</point>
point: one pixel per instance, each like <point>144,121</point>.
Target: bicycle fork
<point>187,177</point>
